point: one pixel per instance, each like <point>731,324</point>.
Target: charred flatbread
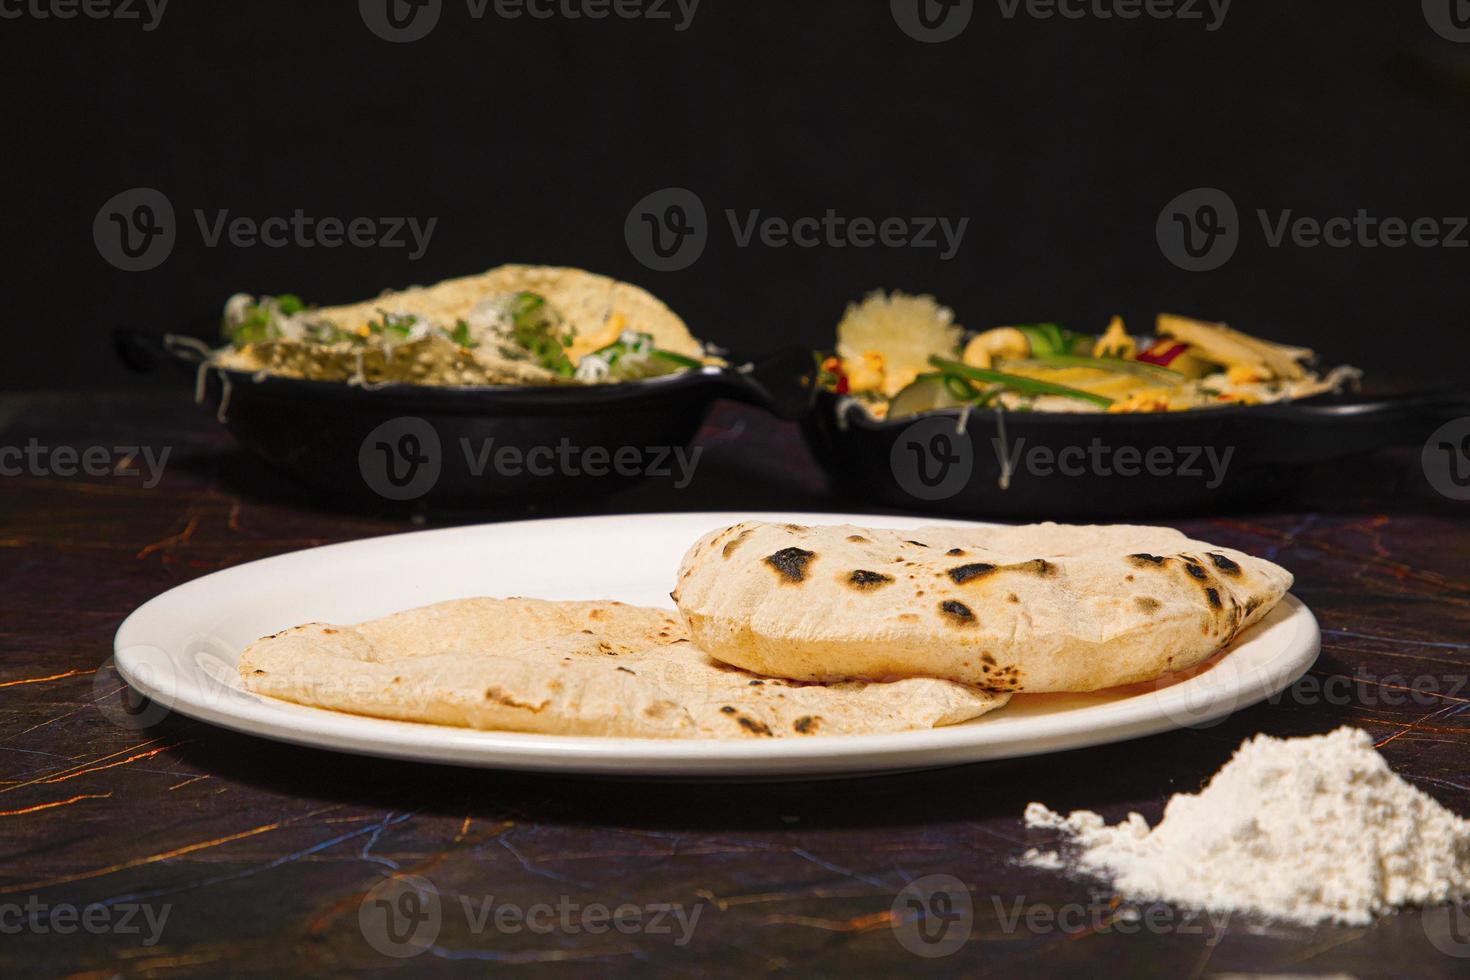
<point>575,668</point>
<point>1036,608</point>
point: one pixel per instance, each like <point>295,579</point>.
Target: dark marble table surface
<point>184,849</point>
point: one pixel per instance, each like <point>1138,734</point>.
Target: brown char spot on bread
<point>791,563</point>
<point>1225,564</point>
<point>866,581</point>
<point>753,726</point>
<point>728,709</point>
<point>1142,560</point>
<point>957,612</point>
<point>1013,598</point>
<point>917,544</point>
<point>1037,566</point>
<point>734,543</point>
<point>757,683</point>
<point>1196,571</point>
<point>794,528</point>
<point>956,552</point>
<point>968,573</point>
<point>858,539</point>
<point>806,724</point>
<point>626,671</point>
<point>500,697</point>
<point>1147,604</point>
<point>1214,596</point>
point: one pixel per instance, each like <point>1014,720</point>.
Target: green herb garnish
<point>1016,383</point>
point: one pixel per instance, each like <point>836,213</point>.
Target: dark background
<point>1060,140</point>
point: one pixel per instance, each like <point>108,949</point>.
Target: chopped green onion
<point>1016,383</point>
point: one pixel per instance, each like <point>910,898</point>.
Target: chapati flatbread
<point>1037,608</point>
<point>574,668</point>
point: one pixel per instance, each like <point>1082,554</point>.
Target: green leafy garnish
<point>461,335</point>
<point>393,327</point>
<point>536,329</point>
<point>1016,383</point>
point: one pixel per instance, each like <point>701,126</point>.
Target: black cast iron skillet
<point>1097,465</point>
<point>401,446</point>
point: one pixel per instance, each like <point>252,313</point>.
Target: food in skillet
<point>900,355</point>
<point>517,324</point>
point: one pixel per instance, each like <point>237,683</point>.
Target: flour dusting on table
<point>1303,830</point>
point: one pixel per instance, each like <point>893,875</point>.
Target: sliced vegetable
<point>1163,353</point>
<point>630,358</point>
<point>932,392</point>
<point>1016,383</point>
<point>1150,371</point>
<point>1048,338</point>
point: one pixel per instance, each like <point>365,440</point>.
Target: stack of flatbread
<point>792,631</point>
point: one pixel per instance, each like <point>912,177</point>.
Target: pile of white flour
<point>1302,829</point>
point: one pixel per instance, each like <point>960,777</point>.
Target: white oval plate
<point>181,650</point>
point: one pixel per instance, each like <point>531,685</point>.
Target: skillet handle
<point>142,350</point>
<point>1395,420</point>
<point>780,383</point>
